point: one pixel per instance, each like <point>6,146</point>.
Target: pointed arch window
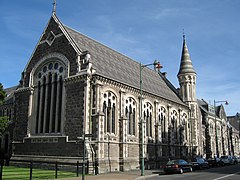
<point>147,115</point>
<point>183,133</point>
<point>174,124</point>
<point>109,110</point>
<point>130,110</point>
<point>48,82</point>
<point>162,121</point>
<point>211,128</point>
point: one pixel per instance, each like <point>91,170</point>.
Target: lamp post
<point>158,66</point>
<point>215,116</point>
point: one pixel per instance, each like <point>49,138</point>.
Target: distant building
<point>234,134</point>
<point>215,130</point>
<point>7,110</point>
<point>74,86</point>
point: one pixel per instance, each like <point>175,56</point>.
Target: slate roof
<point>234,121</point>
<point>203,105</point>
<point>111,64</point>
<point>10,92</point>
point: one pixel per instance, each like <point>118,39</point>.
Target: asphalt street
<point>223,173</point>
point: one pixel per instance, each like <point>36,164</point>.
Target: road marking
<point>227,176</point>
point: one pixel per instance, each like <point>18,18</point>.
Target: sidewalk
<point>129,175</point>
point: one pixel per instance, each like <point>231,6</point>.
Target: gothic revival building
<point>215,130</point>
<point>234,134</point>
<point>74,86</point>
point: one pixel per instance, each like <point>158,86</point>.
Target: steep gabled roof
<point>118,67</point>
<point>10,92</point>
<point>234,121</point>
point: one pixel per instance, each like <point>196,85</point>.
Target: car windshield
<point>172,162</point>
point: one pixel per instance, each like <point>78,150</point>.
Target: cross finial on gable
<point>54,6</point>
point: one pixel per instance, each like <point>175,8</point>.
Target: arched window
<point>48,83</point>
<point>130,110</point>
<point>183,135</point>
<point>218,130</point>
<point>211,128</point>
<point>174,123</point>
<point>162,120</point>
<point>147,115</point>
<point>109,110</point>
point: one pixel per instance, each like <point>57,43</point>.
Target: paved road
<point>222,173</point>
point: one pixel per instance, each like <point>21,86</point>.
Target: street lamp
<point>215,116</point>
<point>157,66</point>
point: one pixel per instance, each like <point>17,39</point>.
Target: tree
<point>3,124</point>
<point>3,120</point>
<point>2,94</point>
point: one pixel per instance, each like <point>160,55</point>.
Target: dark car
<point>235,159</point>
<point>228,160</point>
<point>215,162</point>
<point>199,163</point>
<point>177,166</point>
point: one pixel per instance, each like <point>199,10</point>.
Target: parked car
<point>199,163</point>
<point>215,162</point>
<point>228,160</point>
<point>238,157</point>
<point>177,166</point>
<point>235,159</point>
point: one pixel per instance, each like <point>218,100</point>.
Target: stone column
<point>123,142</point>
<point>45,105</point>
<point>57,103</point>
<point>42,103</point>
<point>30,108</point>
<point>52,121</point>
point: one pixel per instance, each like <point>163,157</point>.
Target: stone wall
<point>48,146</point>
<point>74,109</point>
<point>21,114</point>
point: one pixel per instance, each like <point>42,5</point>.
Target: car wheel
<point>190,169</point>
<point>181,171</point>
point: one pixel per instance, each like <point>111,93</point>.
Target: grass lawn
<point>16,173</point>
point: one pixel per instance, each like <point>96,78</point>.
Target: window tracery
<point>162,120</point>
<point>109,110</point>
<point>147,115</point>
<point>174,123</point>
<point>48,83</point>
<point>130,110</point>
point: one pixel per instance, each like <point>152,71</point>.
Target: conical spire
<point>186,63</point>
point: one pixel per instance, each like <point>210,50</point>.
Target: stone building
<point>234,134</point>
<point>215,130</point>
<point>74,87</point>
<point>7,110</point>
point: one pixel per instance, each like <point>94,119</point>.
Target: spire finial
<point>183,34</point>
<point>54,6</point>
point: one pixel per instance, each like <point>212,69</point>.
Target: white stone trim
<point>60,57</point>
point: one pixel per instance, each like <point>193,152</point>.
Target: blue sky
<point>144,30</point>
